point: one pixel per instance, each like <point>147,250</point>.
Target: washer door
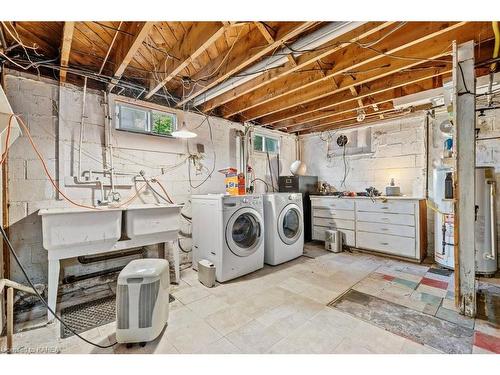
<point>244,232</point>
<point>290,223</point>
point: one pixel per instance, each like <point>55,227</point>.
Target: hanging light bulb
<point>183,131</point>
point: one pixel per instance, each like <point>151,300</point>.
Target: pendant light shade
<point>184,132</point>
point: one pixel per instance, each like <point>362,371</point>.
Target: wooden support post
<point>10,318</point>
<point>465,122</point>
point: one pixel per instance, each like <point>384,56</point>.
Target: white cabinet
<point>338,214</point>
<point>393,226</point>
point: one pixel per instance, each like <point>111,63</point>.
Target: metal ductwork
<point>317,38</point>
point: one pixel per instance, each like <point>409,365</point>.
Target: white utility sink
<point>147,220</point>
<point>80,228</point>
<point>71,232</point>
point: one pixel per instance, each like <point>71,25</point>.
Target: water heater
<point>484,227</point>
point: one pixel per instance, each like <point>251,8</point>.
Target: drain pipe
<point>78,178</point>
<point>115,196</point>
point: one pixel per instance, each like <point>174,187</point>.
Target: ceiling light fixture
<point>361,115</point>
<point>184,132</point>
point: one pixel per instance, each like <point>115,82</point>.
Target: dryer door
<point>290,223</point>
<point>244,232</point>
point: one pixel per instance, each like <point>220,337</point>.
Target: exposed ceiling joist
<point>302,61</point>
<point>344,99</point>
<point>127,46</point>
<point>351,122</point>
<point>67,40</point>
<point>242,56</point>
<point>361,61</point>
<point>201,35</point>
<point>433,49</point>
<point>381,101</point>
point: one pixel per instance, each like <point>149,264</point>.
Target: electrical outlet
<point>200,148</point>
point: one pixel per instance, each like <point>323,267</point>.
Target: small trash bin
<point>206,273</point>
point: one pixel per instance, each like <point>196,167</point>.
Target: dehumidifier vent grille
<point>147,300</point>
<point>122,303</point>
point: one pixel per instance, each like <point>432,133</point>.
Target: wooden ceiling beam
<point>302,61</point>
<point>324,108</point>
<point>127,46</point>
<point>244,54</point>
<point>433,49</point>
<point>352,123</point>
<point>67,40</point>
<point>382,101</point>
<point>427,41</point>
<point>197,39</point>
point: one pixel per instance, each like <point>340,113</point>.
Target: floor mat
<point>414,325</point>
<point>88,315</point>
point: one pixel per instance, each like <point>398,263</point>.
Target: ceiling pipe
<point>316,39</point>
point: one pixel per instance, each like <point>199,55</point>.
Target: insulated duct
<point>317,38</point>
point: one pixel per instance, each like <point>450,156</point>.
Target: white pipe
<point>109,145</point>
<point>319,37</point>
<point>493,233</point>
<point>80,145</point>
<point>82,125</point>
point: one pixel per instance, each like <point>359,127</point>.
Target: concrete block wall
<point>41,104</point>
<point>397,151</point>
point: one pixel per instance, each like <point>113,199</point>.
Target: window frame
<point>150,125</point>
<point>264,143</point>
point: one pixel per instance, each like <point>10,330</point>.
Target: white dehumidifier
<point>333,241</point>
<point>142,297</point>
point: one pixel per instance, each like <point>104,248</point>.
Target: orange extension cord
<point>46,170</point>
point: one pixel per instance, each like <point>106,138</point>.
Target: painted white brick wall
<point>30,190</point>
<point>398,150</point>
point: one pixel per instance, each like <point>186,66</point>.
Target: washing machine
<point>229,232</point>
<point>284,230</point>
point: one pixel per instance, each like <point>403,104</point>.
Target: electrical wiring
<point>25,274</point>
<point>17,39</point>
<point>210,75</point>
<point>346,171</point>
<point>42,161</point>
<point>182,249</point>
<point>23,46</point>
<point>214,163</point>
<point>261,180</point>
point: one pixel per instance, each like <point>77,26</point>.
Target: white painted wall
<point>37,100</point>
<point>397,151</point>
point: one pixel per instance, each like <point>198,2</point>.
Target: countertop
<point>382,197</point>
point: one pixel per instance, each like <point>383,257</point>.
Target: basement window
<point>143,120</point>
<point>265,143</point>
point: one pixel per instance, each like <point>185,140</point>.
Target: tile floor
<point>283,309</point>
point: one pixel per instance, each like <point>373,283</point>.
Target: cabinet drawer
<point>334,223</point>
<point>339,214</point>
<point>398,207</point>
<point>338,203</point>
<point>348,235</point>
<point>396,245</point>
<point>386,218</point>
<point>396,230</point>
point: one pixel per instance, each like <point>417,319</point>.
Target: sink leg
<point>53,284</point>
